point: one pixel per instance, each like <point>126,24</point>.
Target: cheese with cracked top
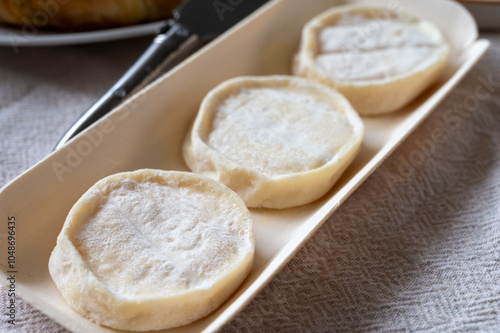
<point>380,60</point>
<point>150,249</point>
<point>278,141</point>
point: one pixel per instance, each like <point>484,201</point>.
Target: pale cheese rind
<point>380,60</point>
<point>151,249</point>
<point>277,141</point>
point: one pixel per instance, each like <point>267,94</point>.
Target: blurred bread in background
<point>78,15</point>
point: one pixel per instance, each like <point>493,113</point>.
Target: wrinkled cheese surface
<point>361,48</point>
<point>278,131</point>
<point>147,238</point>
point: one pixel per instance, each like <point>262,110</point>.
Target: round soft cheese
<point>380,60</point>
<point>277,141</point>
<point>150,249</point>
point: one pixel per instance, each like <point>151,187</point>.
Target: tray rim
<point>283,256</point>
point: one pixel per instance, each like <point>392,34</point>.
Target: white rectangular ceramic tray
<point>147,132</point>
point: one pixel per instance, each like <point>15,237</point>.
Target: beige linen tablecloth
<point>415,249</point>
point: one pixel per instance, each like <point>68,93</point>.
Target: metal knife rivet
<point>121,93</point>
<point>182,32</point>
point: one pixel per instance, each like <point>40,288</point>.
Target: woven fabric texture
<point>416,248</point>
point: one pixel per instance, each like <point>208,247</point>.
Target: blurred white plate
<point>31,36</point>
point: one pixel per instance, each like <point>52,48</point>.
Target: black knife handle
<point>162,46</point>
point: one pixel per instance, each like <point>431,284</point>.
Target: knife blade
<point>194,22</point>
